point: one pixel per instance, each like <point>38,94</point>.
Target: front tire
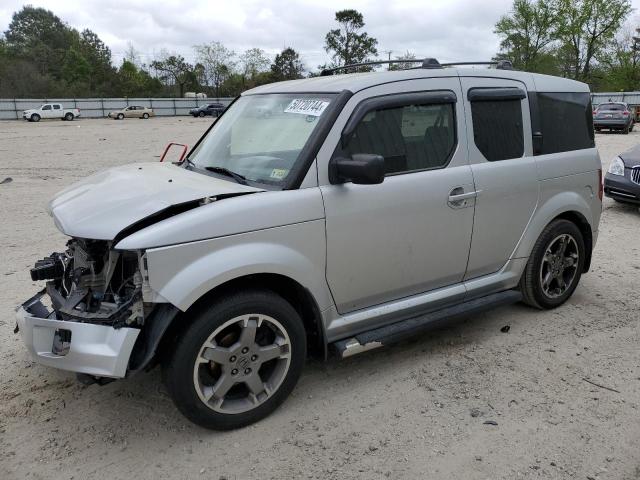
<point>35,117</point>
<point>238,360</point>
<point>554,267</point>
<point>120,116</point>
<point>201,114</point>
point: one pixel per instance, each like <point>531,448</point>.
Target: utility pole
<point>388,52</point>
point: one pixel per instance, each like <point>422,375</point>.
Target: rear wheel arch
<point>299,297</point>
<point>585,229</point>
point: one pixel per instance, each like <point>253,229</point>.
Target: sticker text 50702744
<point>307,106</point>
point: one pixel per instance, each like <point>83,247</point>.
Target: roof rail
<point>425,63</point>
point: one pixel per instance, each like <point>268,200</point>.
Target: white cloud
<point>449,30</point>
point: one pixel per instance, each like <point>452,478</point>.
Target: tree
<point>217,62</point>
<point>404,66</point>
<point>132,55</point>
<point>287,65</point>
<point>36,34</point>
<point>527,33</point>
<point>175,68</point>
<point>252,62</point>
<point>585,27</point>
<point>620,63</point>
<point>347,44</point>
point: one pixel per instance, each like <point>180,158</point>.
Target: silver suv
<point>331,214</point>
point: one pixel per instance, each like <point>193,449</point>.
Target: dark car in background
<point>622,181</point>
<point>213,109</point>
<point>613,116</point>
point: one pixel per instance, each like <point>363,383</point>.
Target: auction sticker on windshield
<point>307,106</point>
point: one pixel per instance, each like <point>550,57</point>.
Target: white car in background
<point>50,110</point>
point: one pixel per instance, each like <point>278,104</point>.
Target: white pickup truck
<point>50,110</point>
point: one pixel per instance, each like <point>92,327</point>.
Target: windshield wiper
<point>229,173</point>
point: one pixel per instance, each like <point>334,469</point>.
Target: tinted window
<point>414,137</point>
<point>612,106</point>
<point>566,122</point>
<point>497,128</point>
<point>56,107</point>
<point>46,107</point>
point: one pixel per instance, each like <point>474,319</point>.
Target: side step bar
<point>407,328</point>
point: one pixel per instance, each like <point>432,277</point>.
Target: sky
<point>449,30</point>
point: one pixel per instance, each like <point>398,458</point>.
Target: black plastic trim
<point>536,127</point>
<point>495,94</point>
<point>406,329</point>
<point>316,139</point>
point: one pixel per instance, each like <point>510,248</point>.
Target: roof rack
<point>425,63</point>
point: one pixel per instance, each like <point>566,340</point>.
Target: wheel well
<point>582,223</point>
<point>298,296</point>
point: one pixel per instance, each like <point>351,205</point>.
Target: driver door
<point>409,234</point>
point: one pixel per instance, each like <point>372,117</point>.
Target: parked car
<point>132,111</point>
<point>622,181</point>
<point>50,110</point>
<point>360,211</point>
<point>214,109</point>
<point>613,116</point>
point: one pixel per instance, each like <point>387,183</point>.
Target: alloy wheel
<point>242,363</point>
<point>559,265</point>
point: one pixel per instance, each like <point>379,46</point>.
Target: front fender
<point>183,273</point>
<point>557,199</point>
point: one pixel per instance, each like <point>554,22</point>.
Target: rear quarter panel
<point>569,181</point>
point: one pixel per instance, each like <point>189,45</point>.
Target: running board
<point>407,328</point>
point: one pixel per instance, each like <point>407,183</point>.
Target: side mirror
<point>176,152</point>
<point>361,168</point>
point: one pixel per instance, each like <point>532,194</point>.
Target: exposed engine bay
<point>90,282</point>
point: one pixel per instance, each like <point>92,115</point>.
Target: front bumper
<point>98,350</point>
<point>621,188</point>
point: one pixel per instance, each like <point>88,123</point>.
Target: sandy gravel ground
<point>417,410</point>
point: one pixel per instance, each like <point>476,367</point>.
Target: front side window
<point>566,121</point>
<point>260,137</point>
<point>46,107</point>
<point>411,137</point>
<point>497,128</point>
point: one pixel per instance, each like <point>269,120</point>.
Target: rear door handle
<point>458,197</point>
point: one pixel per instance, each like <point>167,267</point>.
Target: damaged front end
<point>90,314</point>
<point>90,282</point>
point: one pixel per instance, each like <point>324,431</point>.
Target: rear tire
<point>68,117</point>
<point>626,130</point>
<point>553,272</point>
<point>253,341</point>
<point>145,116</point>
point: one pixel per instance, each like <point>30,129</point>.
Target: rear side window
<point>497,128</point>
<point>410,138</point>
<point>566,122</point>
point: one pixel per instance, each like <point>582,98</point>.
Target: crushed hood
<point>107,202</point>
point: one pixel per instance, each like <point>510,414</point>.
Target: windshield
<point>261,136</point>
